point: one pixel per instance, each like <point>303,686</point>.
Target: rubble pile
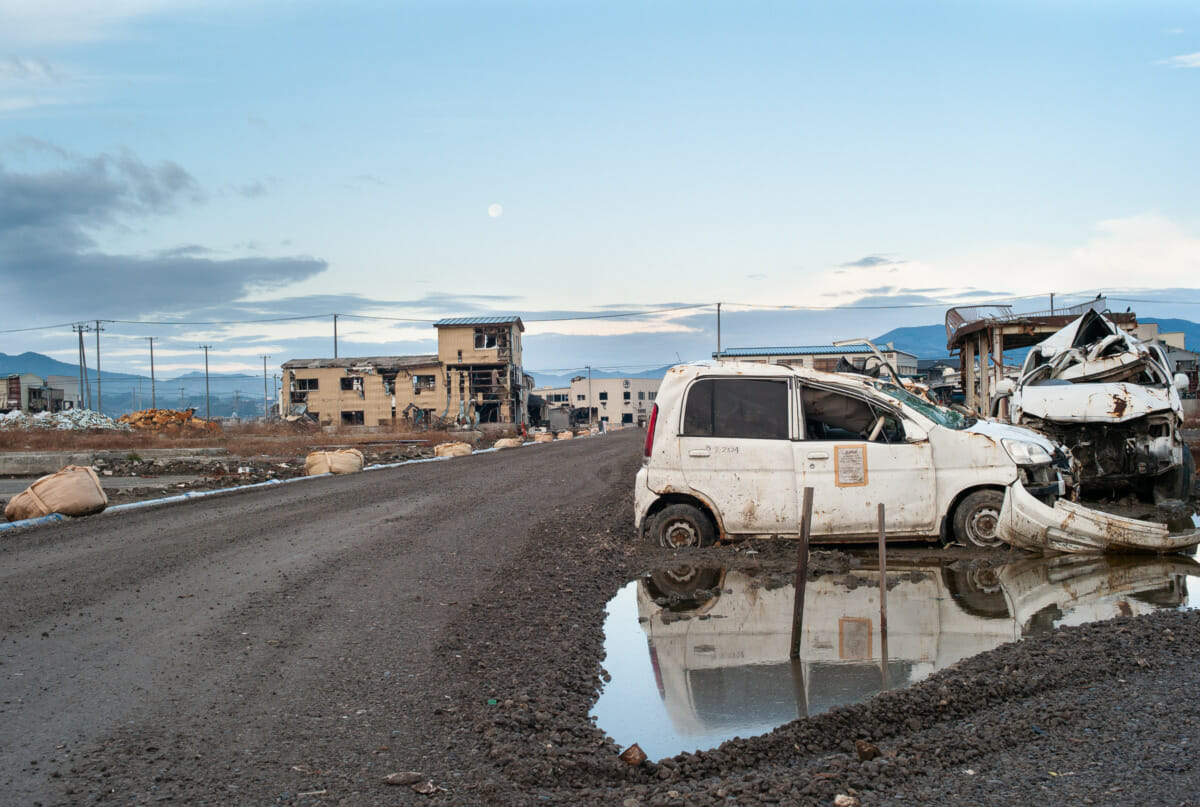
<point>69,420</point>
<point>169,420</point>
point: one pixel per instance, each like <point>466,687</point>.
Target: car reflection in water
<point>719,641</point>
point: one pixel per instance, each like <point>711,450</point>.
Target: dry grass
<point>246,440</point>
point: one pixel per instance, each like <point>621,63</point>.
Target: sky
<point>824,170</point>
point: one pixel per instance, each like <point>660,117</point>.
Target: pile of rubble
<point>69,420</point>
<point>169,420</point>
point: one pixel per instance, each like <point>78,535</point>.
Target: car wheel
<point>685,582</point>
<point>976,591</point>
<point>682,525</point>
<point>977,518</point>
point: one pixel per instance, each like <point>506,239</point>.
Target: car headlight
<point>1024,453</point>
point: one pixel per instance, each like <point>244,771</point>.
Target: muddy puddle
<point>698,656</point>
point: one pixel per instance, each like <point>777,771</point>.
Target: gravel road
<point>296,645</point>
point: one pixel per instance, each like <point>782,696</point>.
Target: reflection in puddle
<point>700,655</point>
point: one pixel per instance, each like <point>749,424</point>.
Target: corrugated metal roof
<point>384,362</point>
<point>804,350</point>
<point>480,321</point>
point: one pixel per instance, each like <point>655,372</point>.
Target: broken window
<point>306,384</point>
<point>737,407</point>
<point>352,418</point>
<point>831,415</point>
<point>352,383</point>
<point>484,339</point>
<point>421,382</point>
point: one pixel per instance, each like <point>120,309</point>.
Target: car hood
<point>1095,403</point>
<point>1003,431</point>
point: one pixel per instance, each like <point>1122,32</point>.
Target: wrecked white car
<point>1111,400</point>
<point>731,446</point>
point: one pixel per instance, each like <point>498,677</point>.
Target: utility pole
<point>236,396</point>
<point>139,405</point>
<point>718,331</point>
<point>335,316</point>
<point>99,391</point>
<point>266,397</point>
<point>590,409</point>
<point>153,399</point>
<point>275,389</point>
<point>207,409</point>
<point>1051,303</point>
<point>85,390</point>
<point>182,402</point>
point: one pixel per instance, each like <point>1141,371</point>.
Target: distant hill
<point>923,341</point>
<point>1191,330</point>
<point>39,364</point>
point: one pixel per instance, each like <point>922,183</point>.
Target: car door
<point>854,461</point>
<point>735,449</point>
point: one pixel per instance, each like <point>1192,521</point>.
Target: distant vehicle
<point>1112,401</point>
<point>731,445</point>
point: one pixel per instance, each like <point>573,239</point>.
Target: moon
<point>495,211</point>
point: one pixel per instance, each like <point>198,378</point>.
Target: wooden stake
<point>801,575</point>
<point>883,626</point>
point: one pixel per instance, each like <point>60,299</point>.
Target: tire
<point>976,591</point>
<point>976,519</point>
<point>685,581</point>
<point>682,525</point>
<point>1179,483</point>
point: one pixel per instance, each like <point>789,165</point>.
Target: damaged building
<point>475,377</point>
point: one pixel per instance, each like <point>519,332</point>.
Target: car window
<point>737,407</point>
<point>831,415</point>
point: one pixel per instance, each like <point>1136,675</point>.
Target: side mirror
<point>1005,386</point>
<point>1181,382</point>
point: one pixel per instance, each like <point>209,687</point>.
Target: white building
<point>824,357</point>
<point>625,401</point>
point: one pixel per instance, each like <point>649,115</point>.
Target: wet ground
<point>701,654</point>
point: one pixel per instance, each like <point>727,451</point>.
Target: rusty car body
<point>731,446</point>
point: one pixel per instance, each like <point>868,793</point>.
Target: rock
<point>866,751</point>
<point>403,778</point>
<point>633,755</point>
<point>842,800</point>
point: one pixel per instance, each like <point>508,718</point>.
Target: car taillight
<point>650,430</point>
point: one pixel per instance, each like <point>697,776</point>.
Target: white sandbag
<point>73,491</point>
<point>343,461</point>
<point>543,438</point>
<point>510,442</point>
<point>452,449</point>
<point>564,435</point>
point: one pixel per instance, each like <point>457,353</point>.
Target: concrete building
<point>30,393</point>
<point>1179,358</point>
<point>614,401</point>
<point>69,384</point>
<point>475,377</point>
<point>824,357</point>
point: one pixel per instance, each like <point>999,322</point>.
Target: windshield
<point>938,414</point>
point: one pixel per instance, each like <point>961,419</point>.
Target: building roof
<point>805,350</point>
<point>502,320</point>
<point>378,362</point>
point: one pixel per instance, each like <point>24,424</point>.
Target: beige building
<point>825,357</point>
<point>625,401</point>
<point>475,377</point>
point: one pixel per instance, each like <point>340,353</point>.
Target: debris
<point>403,778</point>
<point>73,491</point>
<point>633,755</point>
<point>842,800</point>
<point>343,461</point>
<point>70,420</point>
<point>428,788</point>
<point>169,420</point>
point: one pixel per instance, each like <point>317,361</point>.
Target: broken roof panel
<point>804,350</point>
<point>502,320</point>
<point>378,362</point>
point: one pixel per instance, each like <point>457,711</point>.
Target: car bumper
<point>643,497</point>
<point>1028,523</point>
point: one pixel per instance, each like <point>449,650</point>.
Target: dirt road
<point>296,645</point>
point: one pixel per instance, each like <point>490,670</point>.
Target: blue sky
<point>195,161</point>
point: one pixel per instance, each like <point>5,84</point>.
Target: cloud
<point>29,70</point>
<point>49,220</point>
<point>1186,60</point>
<point>869,261</point>
<point>252,190</point>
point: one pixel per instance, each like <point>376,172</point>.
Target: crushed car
<point>1112,402</point>
<point>731,446</point>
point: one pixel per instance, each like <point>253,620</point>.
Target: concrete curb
<point>200,494</point>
